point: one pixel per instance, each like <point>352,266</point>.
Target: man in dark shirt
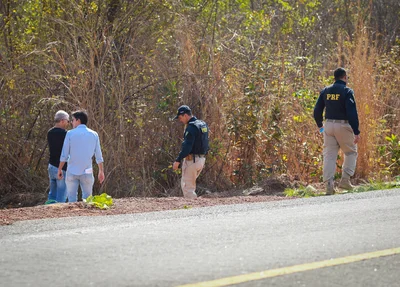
<point>55,139</point>
<point>194,149</point>
<point>340,130</point>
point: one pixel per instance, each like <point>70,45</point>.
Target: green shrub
<point>102,201</point>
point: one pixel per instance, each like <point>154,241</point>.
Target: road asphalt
<point>173,248</point>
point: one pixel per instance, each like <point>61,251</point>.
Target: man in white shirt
<point>80,145</point>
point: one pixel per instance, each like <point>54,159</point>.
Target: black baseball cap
<point>182,110</point>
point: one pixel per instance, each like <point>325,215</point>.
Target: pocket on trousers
<point>49,171</point>
<point>188,162</point>
<point>69,177</point>
<point>200,164</point>
<point>347,127</point>
<point>88,178</point>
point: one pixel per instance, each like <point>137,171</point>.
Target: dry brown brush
<point>253,72</point>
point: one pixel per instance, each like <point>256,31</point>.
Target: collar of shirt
<point>340,82</point>
<point>192,119</point>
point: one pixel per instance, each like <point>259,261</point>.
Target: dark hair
<point>339,73</point>
<point>81,115</point>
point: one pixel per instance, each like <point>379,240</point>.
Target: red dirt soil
<point>124,206</point>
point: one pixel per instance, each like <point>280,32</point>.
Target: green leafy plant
<point>102,201</point>
<point>394,151</point>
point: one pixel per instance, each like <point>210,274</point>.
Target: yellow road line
<point>293,269</point>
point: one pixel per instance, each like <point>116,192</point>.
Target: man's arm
<point>319,109</point>
<point>351,111</point>
<point>64,156</point>
<point>187,146</point>
<point>99,159</point>
<point>101,172</point>
<point>97,151</point>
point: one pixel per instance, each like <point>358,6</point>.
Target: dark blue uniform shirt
<point>339,102</point>
<point>189,140</point>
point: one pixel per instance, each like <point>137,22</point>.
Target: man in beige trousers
<point>340,129</point>
<point>193,152</point>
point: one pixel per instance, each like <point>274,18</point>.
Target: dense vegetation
<point>251,69</point>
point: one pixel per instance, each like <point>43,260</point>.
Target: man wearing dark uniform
<point>340,129</point>
<point>194,148</point>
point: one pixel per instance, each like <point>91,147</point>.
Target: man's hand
<point>101,172</point>
<point>176,165</point>
<point>60,174</point>
<point>101,176</point>
<point>357,138</point>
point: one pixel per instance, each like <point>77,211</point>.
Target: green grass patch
<point>310,191</point>
<point>376,186</point>
<point>302,191</point>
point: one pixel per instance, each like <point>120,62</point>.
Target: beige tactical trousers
<point>190,172</point>
<point>339,135</point>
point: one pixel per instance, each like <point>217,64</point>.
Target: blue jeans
<point>73,181</point>
<point>57,186</point>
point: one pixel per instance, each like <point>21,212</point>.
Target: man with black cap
<point>340,130</point>
<point>194,148</point>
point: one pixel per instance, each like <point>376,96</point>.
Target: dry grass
<point>132,74</point>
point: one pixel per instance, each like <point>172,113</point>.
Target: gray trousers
<point>339,135</point>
